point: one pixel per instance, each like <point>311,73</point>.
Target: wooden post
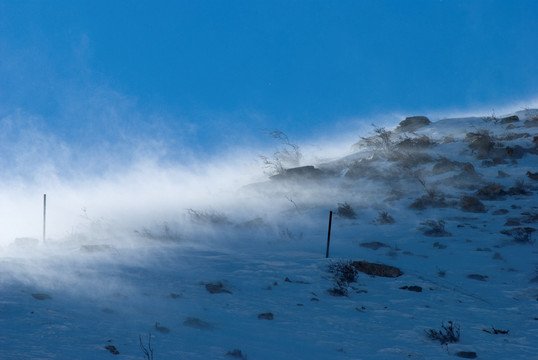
<point>44,215</point>
<point>329,234</point>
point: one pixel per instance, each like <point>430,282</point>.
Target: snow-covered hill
<point>453,204</point>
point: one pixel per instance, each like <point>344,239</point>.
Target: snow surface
<point>101,286</point>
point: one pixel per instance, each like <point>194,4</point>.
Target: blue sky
<point>203,76</point>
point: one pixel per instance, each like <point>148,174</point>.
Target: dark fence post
<point>44,215</point>
<point>329,234</point>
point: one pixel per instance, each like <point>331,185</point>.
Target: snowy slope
<point>203,286</point>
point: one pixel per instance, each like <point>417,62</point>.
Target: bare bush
<point>432,198</point>
<point>380,143</point>
<point>481,143</point>
<point>344,274</point>
<point>519,188</point>
<point>384,218</point>
<point>287,156</point>
<point>448,334</point>
<point>346,211</point>
<point>162,233</point>
<point>146,350</point>
<point>208,217</point>
<point>434,228</point>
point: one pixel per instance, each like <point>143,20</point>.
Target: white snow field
<point>448,203</point>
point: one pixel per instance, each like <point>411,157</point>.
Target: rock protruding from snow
<point>377,269</point>
<point>308,172</point>
<point>266,316</point>
<point>217,288</point>
<point>510,119</point>
<point>413,123</point>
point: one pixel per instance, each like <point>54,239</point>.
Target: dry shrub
<point>208,217</point>
<point>520,235</point>
<point>481,142</point>
<point>434,228</point>
<point>344,273</point>
<point>448,334</point>
<point>384,218</point>
<point>346,211</point>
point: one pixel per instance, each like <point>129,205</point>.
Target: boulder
<point>413,123</point>
<point>377,269</point>
<point>466,354</point>
<point>509,119</point>
<point>302,172</point>
<point>472,204</point>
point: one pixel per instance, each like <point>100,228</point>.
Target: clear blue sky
<point>205,75</point>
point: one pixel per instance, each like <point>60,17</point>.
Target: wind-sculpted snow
<point>223,261</point>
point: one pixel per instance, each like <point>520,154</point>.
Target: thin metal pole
<point>44,215</point>
<point>329,234</point>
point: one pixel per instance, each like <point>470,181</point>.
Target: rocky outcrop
<point>377,269</point>
<point>413,123</point>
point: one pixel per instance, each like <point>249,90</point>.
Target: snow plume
<point>114,192</point>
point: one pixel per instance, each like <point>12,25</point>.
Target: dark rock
<point>491,192</point>
<point>418,143</point>
<point>374,245</point>
<point>509,119</point>
<point>477,277</point>
<point>413,123</point>
<point>42,296</point>
<point>529,218</point>
<point>532,176</point>
<point>377,269</point>
<point>500,212</point>
<point>472,204</point>
<point>531,123</point>
<point>518,190</point>
<point>302,172</point>
<point>196,323</point>
<point>236,353</point>
<point>95,248</point>
<point>266,316</point>
<point>466,354</point>
<point>444,165</point>
<point>501,174</point>
<point>494,331</point>
<point>512,222</point>
<point>414,288</point>
<point>287,279</point>
<point>161,329</point>
<point>217,288</point>
<point>112,349</point>
<point>438,245</point>
<point>499,161</point>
